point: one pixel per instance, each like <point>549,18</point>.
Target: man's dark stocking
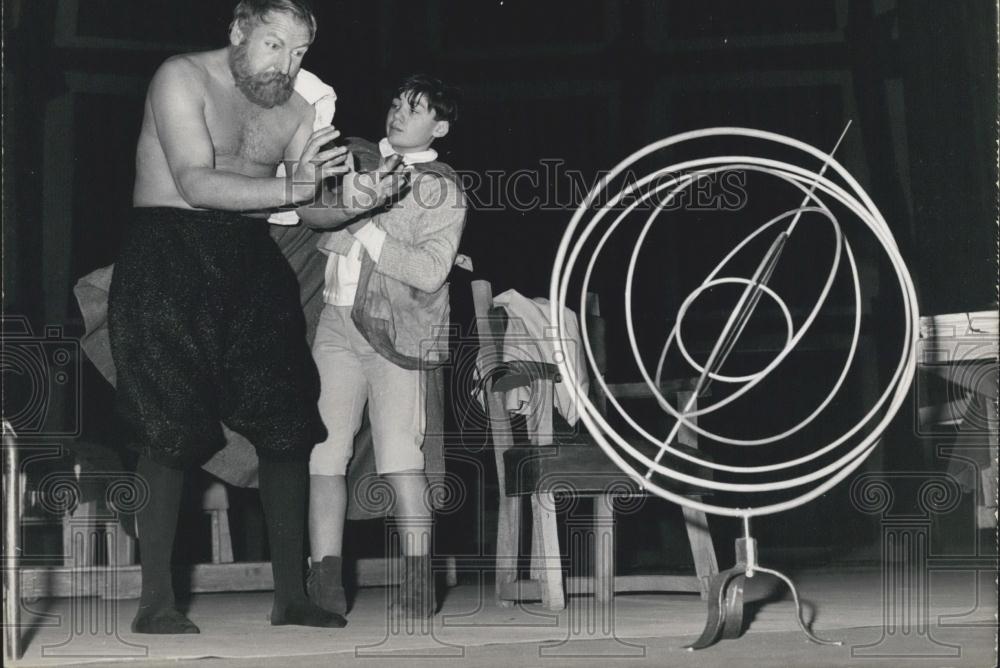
<point>157,525</point>
<point>284,490</point>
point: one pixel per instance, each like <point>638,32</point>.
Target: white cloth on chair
<point>531,337</point>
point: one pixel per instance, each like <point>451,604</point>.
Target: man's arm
<point>327,213</point>
<point>177,97</point>
<point>357,194</point>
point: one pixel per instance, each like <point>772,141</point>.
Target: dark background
<point>586,83</point>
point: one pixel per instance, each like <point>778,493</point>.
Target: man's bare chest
<point>248,134</point>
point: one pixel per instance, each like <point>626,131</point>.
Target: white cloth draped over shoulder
<point>324,99</point>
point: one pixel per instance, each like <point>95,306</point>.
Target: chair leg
<point>120,546</point>
<point>225,538</point>
<point>604,548</point>
<point>544,514</point>
<point>222,540</point>
<point>79,530</point>
<point>986,507</point>
<point>537,564</point>
<point>213,516</point>
<point>126,549</point>
<point>67,540</point>
<point>702,548</point>
<point>508,532</point>
<point>215,502</point>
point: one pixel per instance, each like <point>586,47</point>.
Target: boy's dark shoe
<point>324,585</point>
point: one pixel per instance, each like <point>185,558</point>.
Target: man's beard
<point>267,89</point>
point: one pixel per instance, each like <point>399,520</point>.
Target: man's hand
<point>363,191</point>
<point>316,164</point>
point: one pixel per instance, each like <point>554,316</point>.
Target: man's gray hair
<point>249,11</point>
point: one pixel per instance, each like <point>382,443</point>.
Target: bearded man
<point>204,315</point>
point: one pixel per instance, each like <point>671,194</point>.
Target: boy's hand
<point>389,165</point>
<point>363,191</point>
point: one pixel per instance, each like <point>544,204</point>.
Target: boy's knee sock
<point>416,589</point>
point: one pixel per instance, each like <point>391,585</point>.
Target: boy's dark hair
<point>248,11</point>
<point>441,98</point>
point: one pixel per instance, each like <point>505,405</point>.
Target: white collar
<point>386,149</point>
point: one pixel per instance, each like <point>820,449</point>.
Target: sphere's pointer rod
<point>745,307</point>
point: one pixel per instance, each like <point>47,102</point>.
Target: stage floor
<point>948,621</point>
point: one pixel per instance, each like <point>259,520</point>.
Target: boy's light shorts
<point>352,373</point>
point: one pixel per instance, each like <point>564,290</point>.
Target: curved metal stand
<point>725,602</point>
<point>725,597</point>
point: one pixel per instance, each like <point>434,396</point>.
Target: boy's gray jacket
<point>401,305</point>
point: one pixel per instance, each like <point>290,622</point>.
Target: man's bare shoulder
<point>190,72</point>
<point>181,72</point>
<point>301,109</point>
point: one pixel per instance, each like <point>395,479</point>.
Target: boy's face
<point>410,126</point>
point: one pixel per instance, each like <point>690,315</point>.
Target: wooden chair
<point>956,388</point>
<point>90,523</point>
<point>544,469</point>
<point>121,547</point>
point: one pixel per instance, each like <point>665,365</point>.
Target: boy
<point>386,301</point>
